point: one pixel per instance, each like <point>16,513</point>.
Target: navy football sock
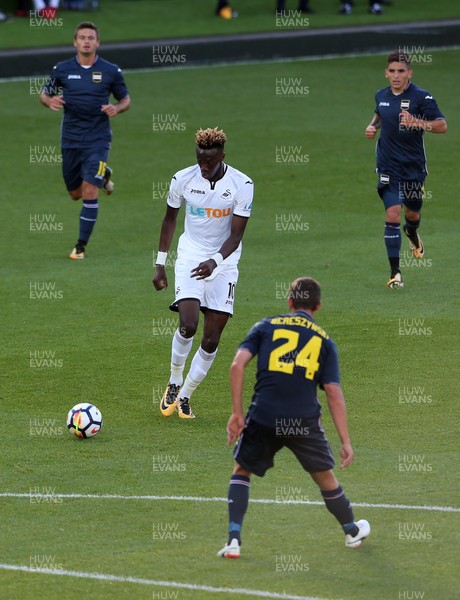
<point>351,528</point>
<point>88,216</point>
<point>338,504</point>
<point>392,238</point>
<point>238,499</point>
<point>412,226</point>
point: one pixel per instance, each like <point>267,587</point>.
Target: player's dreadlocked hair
<point>305,292</point>
<point>399,56</point>
<point>210,138</point>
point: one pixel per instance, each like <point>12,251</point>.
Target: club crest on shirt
<point>97,77</point>
<point>226,194</point>
<point>405,104</point>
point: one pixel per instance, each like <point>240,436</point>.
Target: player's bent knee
<point>90,191</point>
<point>209,344</point>
<point>238,470</point>
<point>188,329</point>
<point>413,216</point>
<point>326,480</point>
<point>393,214</point>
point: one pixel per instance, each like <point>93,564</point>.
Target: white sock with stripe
<point>199,368</point>
<point>181,347</point>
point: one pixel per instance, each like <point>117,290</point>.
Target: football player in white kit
<point>217,199</point>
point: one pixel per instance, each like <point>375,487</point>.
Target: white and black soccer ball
<point>84,420</point>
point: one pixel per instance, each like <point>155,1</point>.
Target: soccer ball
<point>84,420</point>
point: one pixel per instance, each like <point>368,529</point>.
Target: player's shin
<point>88,217</point>
<point>412,226</point>
<point>338,504</point>
<point>199,368</point>
<point>181,347</point>
<point>392,238</point>
<point>238,500</point>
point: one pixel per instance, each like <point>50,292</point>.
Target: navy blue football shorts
<point>258,445</point>
<point>394,191</point>
<point>84,164</point>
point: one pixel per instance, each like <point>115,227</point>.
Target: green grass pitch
<point>104,336</point>
<point>161,19</point>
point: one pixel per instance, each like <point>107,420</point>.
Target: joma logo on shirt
<point>73,76</point>
<point>192,191</point>
<point>217,213</point>
<point>384,104</point>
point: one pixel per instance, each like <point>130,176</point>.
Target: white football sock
<point>181,347</point>
<point>201,364</point>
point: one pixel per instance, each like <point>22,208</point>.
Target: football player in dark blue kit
<point>403,112</point>
<point>294,356</point>
<point>82,87</point>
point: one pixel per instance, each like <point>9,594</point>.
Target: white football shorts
<point>216,292</point>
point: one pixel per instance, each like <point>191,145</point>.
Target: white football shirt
<point>209,209</point>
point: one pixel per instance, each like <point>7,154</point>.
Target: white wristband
<point>217,258</point>
<point>161,258</point>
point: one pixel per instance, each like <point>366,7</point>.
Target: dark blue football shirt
<point>85,90</point>
<point>294,356</point>
<point>401,151</point>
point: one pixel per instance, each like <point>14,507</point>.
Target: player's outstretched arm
<point>205,268</point>
<point>236,423</point>
<point>372,128</point>
<point>168,227</point>
<point>52,102</point>
<point>336,403</point>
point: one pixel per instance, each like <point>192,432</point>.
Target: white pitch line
<point>218,499</point>
<point>244,63</point>
<point>153,582</point>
